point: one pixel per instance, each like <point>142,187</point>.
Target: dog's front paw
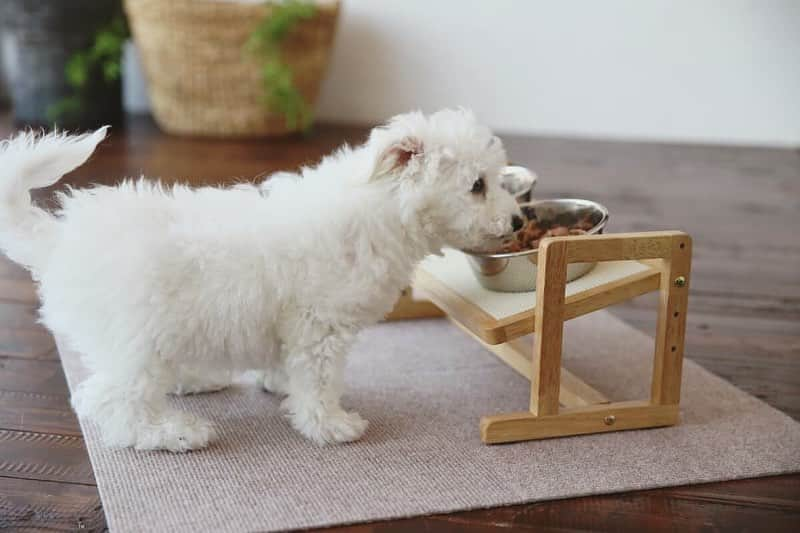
<point>176,432</point>
<point>329,427</point>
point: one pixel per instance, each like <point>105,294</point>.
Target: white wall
<point>684,70</point>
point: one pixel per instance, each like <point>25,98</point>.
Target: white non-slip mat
<point>424,385</point>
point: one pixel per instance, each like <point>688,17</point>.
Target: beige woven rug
<point>424,385</point>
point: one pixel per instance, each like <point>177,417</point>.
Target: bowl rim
<point>586,203</point>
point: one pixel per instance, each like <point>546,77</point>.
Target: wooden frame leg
<point>551,281</point>
<point>671,329</point>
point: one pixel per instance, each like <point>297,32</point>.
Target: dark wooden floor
<point>740,204</point>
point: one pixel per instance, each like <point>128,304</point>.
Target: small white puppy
<point>174,290</point>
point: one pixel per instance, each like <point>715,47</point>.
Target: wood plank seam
<point>59,482</point>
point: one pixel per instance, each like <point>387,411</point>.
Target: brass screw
<point>680,281</point>
<point>609,420</point>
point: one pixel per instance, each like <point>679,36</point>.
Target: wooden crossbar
<point>617,416</point>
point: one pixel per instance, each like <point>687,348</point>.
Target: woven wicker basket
<point>201,80</point>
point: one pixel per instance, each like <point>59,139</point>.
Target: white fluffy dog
<point>174,290</point>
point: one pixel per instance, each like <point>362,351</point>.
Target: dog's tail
<point>29,161</point>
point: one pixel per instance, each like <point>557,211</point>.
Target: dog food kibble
<point>529,236</point>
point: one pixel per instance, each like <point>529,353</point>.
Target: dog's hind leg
<point>276,380</point>
<point>131,409</point>
<point>314,369</point>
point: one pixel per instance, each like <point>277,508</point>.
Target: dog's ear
<point>398,157</point>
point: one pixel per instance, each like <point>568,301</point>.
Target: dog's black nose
<point>517,222</point>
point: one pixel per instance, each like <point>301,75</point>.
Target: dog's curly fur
<point>176,289</point>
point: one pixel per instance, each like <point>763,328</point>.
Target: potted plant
<point>63,61</point>
<point>233,68</point>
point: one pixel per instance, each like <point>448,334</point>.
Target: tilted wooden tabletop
<point>739,204</point>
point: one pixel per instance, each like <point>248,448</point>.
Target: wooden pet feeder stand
<point>561,404</point>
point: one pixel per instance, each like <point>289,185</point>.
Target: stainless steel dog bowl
<point>516,271</point>
<point>518,181</point>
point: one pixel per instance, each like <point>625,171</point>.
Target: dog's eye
<point>479,186</point>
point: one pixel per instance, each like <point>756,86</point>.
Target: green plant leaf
<point>65,110</point>
<point>77,70</point>
<point>280,93</point>
<point>112,71</point>
<point>107,44</point>
<point>100,63</point>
